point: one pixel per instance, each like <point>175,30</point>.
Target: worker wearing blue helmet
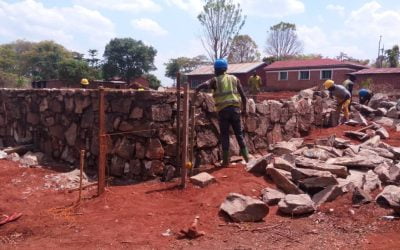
<point>230,103</point>
<point>365,96</point>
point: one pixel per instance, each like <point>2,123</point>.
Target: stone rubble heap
<point>307,175</point>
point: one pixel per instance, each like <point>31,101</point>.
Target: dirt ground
<point>136,216</point>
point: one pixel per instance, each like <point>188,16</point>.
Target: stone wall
<point>60,122</point>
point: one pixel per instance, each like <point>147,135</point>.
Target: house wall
<point>380,80</point>
<point>294,84</point>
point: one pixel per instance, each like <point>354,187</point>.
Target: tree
<point>344,57</point>
<point>183,65</point>
<point>243,50</point>
<point>93,60</point>
<point>154,83</point>
<point>283,42</point>
<point>221,20</point>
<point>44,59</point>
<point>73,70</point>
<point>393,56</point>
<point>128,58</point>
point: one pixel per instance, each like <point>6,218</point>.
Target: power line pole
<point>378,59</point>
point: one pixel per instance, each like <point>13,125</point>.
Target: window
<point>326,74</point>
<point>283,76</point>
<point>304,75</point>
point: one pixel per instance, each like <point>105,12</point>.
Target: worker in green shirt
<point>255,83</point>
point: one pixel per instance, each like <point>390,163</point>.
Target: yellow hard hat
<point>140,89</point>
<point>328,84</point>
<point>84,81</point>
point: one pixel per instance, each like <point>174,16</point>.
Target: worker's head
<point>220,66</point>
<point>254,72</point>
<point>352,77</point>
<point>84,81</point>
<point>329,84</point>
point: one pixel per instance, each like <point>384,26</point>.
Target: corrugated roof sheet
<point>378,71</point>
<point>235,68</point>
<point>311,63</point>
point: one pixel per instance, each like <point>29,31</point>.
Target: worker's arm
<point>242,96</point>
<point>206,85</point>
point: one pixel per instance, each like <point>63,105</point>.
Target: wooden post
<point>185,135</point>
<point>82,163</point>
<point>192,128</point>
<point>102,143</point>
<point>178,118</point>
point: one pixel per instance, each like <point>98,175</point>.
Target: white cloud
<point>149,25</point>
<point>338,9</point>
<point>75,27</point>
<point>260,8</point>
<point>272,8</point>
<point>121,5</point>
<point>371,21</point>
<point>194,7</point>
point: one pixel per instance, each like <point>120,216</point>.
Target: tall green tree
<point>221,21</point>
<point>183,65</point>
<point>392,56</point>
<point>128,58</point>
<point>72,71</point>
<point>283,42</point>
<point>153,81</point>
<point>93,60</point>
<point>243,50</point>
<point>44,60</point>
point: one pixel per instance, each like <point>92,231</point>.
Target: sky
<point>171,26</point>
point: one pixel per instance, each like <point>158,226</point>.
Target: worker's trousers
<point>344,106</point>
<point>230,116</point>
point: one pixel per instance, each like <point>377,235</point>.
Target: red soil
<point>135,216</point>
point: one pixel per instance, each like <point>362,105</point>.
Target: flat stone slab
<point>390,198</point>
<point>202,180</point>
<point>282,182</point>
<point>258,166</point>
<point>329,194</point>
<point>272,196</point>
<point>241,208</point>
<point>296,204</point>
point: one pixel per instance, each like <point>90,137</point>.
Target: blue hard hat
<point>363,92</point>
<point>221,64</point>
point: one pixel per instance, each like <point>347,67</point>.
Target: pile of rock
<point>308,175</point>
<point>381,110</point>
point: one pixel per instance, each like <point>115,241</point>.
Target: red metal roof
<point>378,71</point>
<point>237,68</point>
<point>312,63</point>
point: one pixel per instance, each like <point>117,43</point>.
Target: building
<point>295,75</point>
<point>380,78</point>
<point>241,70</point>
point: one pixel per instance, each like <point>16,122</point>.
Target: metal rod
<point>185,135</point>
<point>82,163</point>
<point>102,138</point>
<point>178,118</point>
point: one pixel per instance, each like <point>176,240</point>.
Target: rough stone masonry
<point>60,122</point>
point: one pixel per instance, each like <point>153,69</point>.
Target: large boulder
<point>241,208</point>
<point>282,181</point>
<point>371,181</point>
<point>328,194</point>
<point>377,99</point>
<point>339,171</point>
<point>390,198</point>
<point>272,196</point>
<point>296,204</point>
<point>258,166</point>
<point>361,196</point>
<point>313,180</point>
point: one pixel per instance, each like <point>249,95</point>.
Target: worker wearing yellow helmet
<point>84,83</point>
<point>342,95</point>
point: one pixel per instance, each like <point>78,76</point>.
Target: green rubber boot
<point>225,159</point>
<point>245,153</point>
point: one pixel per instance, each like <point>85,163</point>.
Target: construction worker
<point>349,83</point>
<point>342,95</point>
<point>84,83</point>
<point>365,96</point>
<point>229,102</point>
<point>254,83</point>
